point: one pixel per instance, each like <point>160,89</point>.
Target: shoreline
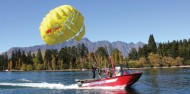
<point>75,70</point>
<point>183,66</point>
<point>66,70</point>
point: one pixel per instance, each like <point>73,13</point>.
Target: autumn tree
<point>117,56</point>
<point>101,55</point>
<point>155,60</point>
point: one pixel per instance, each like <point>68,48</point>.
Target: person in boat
<point>99,72</point>
<point>94,72</point>
<point>118,71</point>
<point>109,72</point>
<point>121,71</point>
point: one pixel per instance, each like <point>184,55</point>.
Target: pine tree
<point>5,56</point>
<point>151,44</point>
<point>133,54</point>
<point>13,60</point>
<point>174,52</point>
<point>65,57</point>
<point>19,53</point>
<point>73,57</point>
<point>145,51</point>
<point>61,58</point>
<point>47,58</point>
<point>29,58</point>
<point>140,52</point>
<point>1,62</point>
<point>23,58</point>
<point>39,57</point>
<point>23,61</point>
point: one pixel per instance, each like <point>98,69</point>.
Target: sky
<point>111,20</point>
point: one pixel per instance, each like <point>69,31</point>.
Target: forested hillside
<point>173,53</point>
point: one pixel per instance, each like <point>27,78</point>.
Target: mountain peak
<point>92,46</point>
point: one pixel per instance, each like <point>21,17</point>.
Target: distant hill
<point>92,46</point>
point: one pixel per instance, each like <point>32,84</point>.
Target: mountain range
<point>92,46</point>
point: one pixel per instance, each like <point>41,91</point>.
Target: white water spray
<point>25,80</point>
<point>56,86</point>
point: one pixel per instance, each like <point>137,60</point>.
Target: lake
<point>153,81</point>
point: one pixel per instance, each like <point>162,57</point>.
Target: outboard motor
<point>79,83</point>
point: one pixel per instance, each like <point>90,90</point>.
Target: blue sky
<point>112,20</point>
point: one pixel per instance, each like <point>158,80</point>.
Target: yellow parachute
<point>61,24</point>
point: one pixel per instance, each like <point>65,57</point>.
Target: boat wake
<point>56,86</point>
<point>25,80</point>
<point>41,85</point>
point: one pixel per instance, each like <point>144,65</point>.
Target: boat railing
<point>124,71</point>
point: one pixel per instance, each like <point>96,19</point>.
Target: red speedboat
<point>119,78</point>
<point>124,80</point>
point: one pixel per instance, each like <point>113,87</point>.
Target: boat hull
<point>124,80</point>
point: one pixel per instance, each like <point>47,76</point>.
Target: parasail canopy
<point>61,24</point>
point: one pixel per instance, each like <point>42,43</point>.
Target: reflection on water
<point>101,92</point>
<point>129,90</point>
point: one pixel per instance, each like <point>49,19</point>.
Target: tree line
<point>173,53</point>
<point>75,57</point>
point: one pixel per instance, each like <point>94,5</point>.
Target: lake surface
<point>153,81</point>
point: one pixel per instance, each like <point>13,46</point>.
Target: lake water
<point>153,81</point>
